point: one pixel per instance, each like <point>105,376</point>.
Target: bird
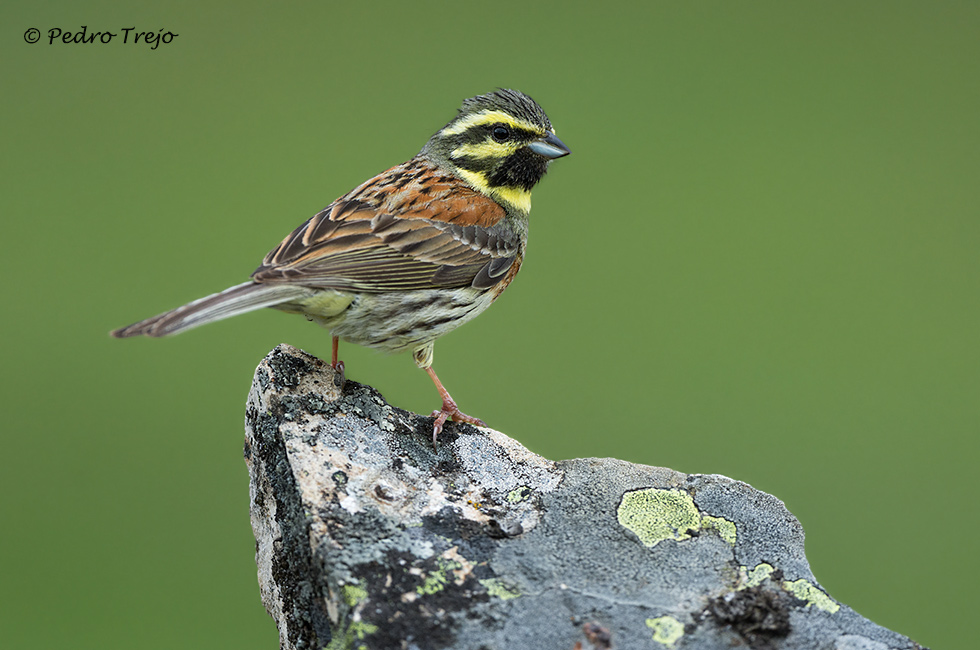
<point>412,253</point>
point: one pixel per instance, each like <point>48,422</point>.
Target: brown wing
<point>411,227</point>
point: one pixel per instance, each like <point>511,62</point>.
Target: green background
<point>760,260</point>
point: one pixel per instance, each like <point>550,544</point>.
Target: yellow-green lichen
<point>353,594</point>
<point>500,589</point>
<point>654,515</point>
<point>436,580</point>
<point>434,583</point>
<point>666,630</point>
<point>757,575</point>
<point>518,495</point>
<point>356,631</point>
<point>724,528</point>
<point>803,590</point>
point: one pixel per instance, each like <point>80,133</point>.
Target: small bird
<point>412,253</point>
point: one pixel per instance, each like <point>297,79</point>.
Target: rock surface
<point>367,538</point>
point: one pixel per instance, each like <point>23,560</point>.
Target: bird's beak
<point>549,147</point>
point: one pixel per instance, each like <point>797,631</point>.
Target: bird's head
<point>500,143</point>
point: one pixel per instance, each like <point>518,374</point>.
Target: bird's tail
<point>236,300</point>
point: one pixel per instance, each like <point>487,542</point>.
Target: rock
<point>368,538</point>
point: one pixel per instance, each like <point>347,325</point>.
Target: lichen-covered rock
<point>366,537</point>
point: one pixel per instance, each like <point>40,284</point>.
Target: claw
<point>339,378</point>
<point>450,410</point>
<point>440,417</point>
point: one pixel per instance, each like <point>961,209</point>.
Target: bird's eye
<point>501,133</point>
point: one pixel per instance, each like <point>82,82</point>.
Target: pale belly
<point>393,321</point>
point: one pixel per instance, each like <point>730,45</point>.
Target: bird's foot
<point>450,410</point>
<point>338,378</point>
<point>338,366</point>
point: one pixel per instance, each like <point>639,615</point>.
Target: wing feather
<point>412,227</point>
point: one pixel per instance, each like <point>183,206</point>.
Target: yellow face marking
<point>489,149</point>
<point>488,117</point>
<point>515,196</point>
<point>476,179</point>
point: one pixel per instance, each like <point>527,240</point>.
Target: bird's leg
<point>449,409</point>
<point>337,365</point>
<point>423,359</point>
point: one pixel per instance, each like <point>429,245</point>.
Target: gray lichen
<point>365,532</point>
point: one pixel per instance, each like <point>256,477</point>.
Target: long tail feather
<point>233,301</point>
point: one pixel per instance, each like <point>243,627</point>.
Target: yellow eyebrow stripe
<point>487,117</point>
<point>489,149</point>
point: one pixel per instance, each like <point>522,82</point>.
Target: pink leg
<point>449,409</point>
<point>336,364</point>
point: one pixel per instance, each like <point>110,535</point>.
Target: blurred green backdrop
<point>760,261</point>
